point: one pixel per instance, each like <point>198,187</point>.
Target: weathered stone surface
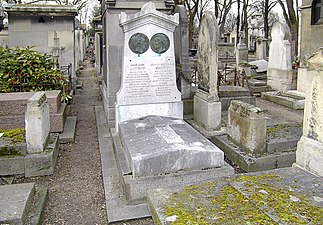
<point>247,126</point>
<point>159,145</point>
<point>208,54</point>
<point>207,111</point>
<point>148,85</point>
<point>309,154</point>
<point>14,202</point>
<point>43,163</point>
<point>37,123</point>
<point>279,73</point>
<point>11,166</point>
<point>290,195</point>
<point>291,99</point>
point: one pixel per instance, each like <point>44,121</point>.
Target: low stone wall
<point>14,105</point>
<point>247,126</point>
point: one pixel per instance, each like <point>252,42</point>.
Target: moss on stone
<point>9,152</point>
<point>16,135</point>
<point>241,200</point>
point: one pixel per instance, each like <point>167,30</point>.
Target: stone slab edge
<point>252,164</point>
<point>117,209</point>
<point>69,130</point>
<point>35,215</point>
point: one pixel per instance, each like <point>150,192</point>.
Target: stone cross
<point>37,123</point>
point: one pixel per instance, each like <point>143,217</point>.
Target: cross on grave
<point>318,11</point>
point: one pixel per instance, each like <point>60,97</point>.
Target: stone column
<point>309,154</point>
<point>207,107</point>
<point>37,123</point>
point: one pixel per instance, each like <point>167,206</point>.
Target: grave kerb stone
<point>37,123</point>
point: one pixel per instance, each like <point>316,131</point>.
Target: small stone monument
<point>261,43</point>
<point>37,123</point>
<point>279,73</point>
<point>207,107</point>
<point>309,154</point>
<point>241,51</point>
<point>148,85</point>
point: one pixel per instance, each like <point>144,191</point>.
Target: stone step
<point>121,158</point>
<point>256,83</point>
<point>282,196</point>
<point>22,203</point>
<point>69,130</point>
<point>233,91</point>
<point>283,137</point>
<point>285,99</point>
<point>250,163</point>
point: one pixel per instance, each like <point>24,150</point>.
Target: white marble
<point>148,84</point>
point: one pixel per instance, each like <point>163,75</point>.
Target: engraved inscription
<point>139,43</point>
<point>151,80</point>
<point>159,43</point>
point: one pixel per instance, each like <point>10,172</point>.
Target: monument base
<point>309,155</point>
<point>281,80</point>
<point>130,112</point>
<point>207,111</point>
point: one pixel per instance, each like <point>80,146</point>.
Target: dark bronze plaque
<point>138,43</point>
<point>159,43</point>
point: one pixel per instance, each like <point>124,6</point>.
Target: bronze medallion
<point>159,43</point>
<point>139,43</point>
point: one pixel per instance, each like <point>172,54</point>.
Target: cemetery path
<point>76,194</point>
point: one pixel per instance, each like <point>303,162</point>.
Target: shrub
<point>24,69</point>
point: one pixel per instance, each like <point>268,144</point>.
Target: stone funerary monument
<point>153,145</point>
<point>148,85</point>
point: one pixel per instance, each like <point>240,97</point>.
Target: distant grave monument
<point>207,107</point>
<point>148,85</point>
<point>279,73</point>
<point>309,154</point>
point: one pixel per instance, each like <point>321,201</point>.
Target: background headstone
<point>279,73</point>
<point>148,85</point>
<point>207,108</point>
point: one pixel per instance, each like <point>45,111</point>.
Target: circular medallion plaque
<point>139,43</point>
<point>159,43</point>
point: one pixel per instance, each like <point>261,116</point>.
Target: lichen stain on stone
<point>222,203</point>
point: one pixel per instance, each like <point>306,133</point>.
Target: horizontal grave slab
<point>160,145</point>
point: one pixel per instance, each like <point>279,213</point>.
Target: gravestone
<point>207,107</point>
<point>241,53</point>
<point>37,123</point>
<point>279,73</point>
<point>261,43</point>
<point>148,85</point>
<point>113,44</point>
<point>309,154</point>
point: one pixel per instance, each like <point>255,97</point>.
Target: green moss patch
<point>16,135</point>
<point>254,199</point>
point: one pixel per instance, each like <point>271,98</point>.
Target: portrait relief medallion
<point>159,43</point>
<point>139,43</point>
